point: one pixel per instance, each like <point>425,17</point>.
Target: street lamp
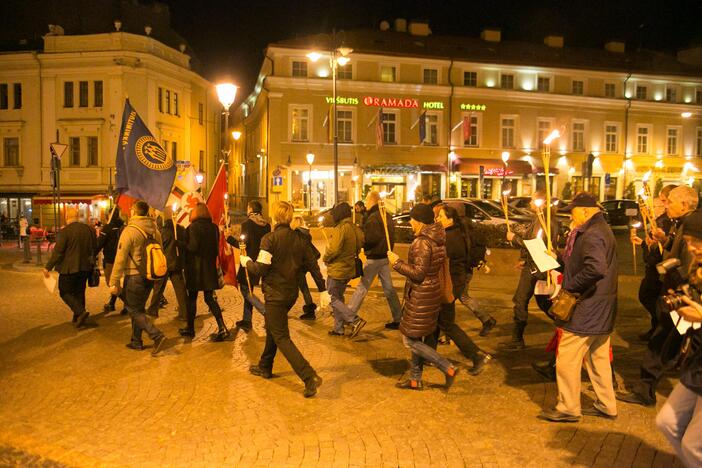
<point>226,93</point>
<point>338,57</point>
<point>310,161</point>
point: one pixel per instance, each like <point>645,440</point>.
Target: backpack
<point>154,265</point>
<point>475,244</point>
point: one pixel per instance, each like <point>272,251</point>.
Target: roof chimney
<point>554,41</point>
<point>419,28</point>
<point>615,46</point>
<point>401,25</point>
<point>491,35</point>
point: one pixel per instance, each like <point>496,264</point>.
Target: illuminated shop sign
<point>473,107</point>
<point>497,171</point>
<point>349,101</point>
<point>433,105</point>
<point>402,103</point>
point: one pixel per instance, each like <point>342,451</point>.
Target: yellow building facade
<point>468,112</point>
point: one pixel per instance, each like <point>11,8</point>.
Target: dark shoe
<point>73,320</point>
<point>308,316</point>
<point>513,345</point>
<point>311,386</point>
<point>646,336</point>
<point>410,384</point>
<point>635,398</point>
<point>335,333</point>
<point>480,363</point>
<point>554,415</point>
<point>487,327</point>
<point>135,346</point>
<point>107,308</point>
<point>221,335</point>
<point>80,321</point>
<point>244,325</point>
<point>186,333</point>
<point>162,303</point>
<point>309,309</point>
<point>357,326</point>
<point>450,376</point>
<point>392,325</point>
<point>444,339</point>
<point>595,410</point>
<point>545,369</point>
<point>158,344</point>
<point>261,372</point>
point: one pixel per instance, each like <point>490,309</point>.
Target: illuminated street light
<point>226,93</point>
<point>686,114</point>
<point>314,56</point>
<point>236,135</point>
<point>199,177</point>
<point>505,156</point>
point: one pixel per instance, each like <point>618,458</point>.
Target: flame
<point>539,202</point>
<point>320,219</point>
<point>540,233</point>
<point>242,237</point>
<point>647,176</point>
<point>506,192</point>
<point>636,225</point>
<point>552,136</point>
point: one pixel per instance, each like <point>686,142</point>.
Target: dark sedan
<point>621,212</point>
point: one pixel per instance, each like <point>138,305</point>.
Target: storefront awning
<point>68,198</point>
<point>494,167</point>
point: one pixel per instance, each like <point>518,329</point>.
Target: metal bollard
<point>26,248</point>
<point>39,262</point>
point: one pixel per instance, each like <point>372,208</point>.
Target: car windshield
<point>489,208</point>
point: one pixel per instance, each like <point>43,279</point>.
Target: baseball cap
<point>582,199</point>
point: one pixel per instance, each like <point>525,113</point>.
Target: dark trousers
<point>278,337</point>
<point>448,325</point>
<point>249,301</point>
<point>649,292</point>
<point>136,293</point>
<point>72,290</point>
<point>522,296</point>
<point>305,290</point>
<point>178,283</point>
<point>662,353</point>
<point>211,303</point>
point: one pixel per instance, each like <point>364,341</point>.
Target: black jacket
<point>284,258</point>
<point>202,250</point>
<point>653,255</point>
<point>253,230</point>
<point>174,251</point>
<point>691,370</point>
<point>109,239</point>
<point>74,250</point>
<point>376,245</point>
<point>457,252</point>
<point>591,270</point>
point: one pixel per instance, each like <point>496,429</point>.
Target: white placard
<point>537,250</point>
<point>50,282</point>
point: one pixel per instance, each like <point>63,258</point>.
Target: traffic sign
<point>57,149</point>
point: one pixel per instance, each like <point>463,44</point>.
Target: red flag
<point>227,260</point>
<point>216,202</point>
<point>467,130</point>
<point>125,202</point>
<point>379,128</point>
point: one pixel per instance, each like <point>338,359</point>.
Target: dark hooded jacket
<point>422,289</point>
<point>174,249</point>
<point>201,257</point>
<point>253,230</point>
<point>375,245</point>
<point>109,239</point>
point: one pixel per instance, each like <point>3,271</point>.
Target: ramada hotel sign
<point>398,103</point>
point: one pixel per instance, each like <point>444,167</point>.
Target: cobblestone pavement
<point>83,399</point>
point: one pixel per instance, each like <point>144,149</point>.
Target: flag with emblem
<point>144,170</point>
<point>185,194</point>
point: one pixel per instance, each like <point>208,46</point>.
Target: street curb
<point>30,267</point>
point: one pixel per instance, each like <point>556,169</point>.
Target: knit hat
<point>422,213</point>
<point>692,224</point>
<point>341,211</point>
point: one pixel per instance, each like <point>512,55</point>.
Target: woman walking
<point>422,295</point>
<point>201,274</point>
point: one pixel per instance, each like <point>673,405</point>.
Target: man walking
<point>130,263</point>
<point>376,249</point>
<point>73,257</point>
<point>107,243</point>
<point>590,273</point>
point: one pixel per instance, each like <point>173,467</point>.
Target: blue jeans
<point>136,292</point>
<point>343,314</point>
<point>422,352</point>
<point>680,421</point>
<point>377,267</point>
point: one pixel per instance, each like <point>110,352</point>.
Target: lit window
<point>611,138</point>
<point>299,68</point>
<point>387,74</point>
<point>432,125</point>
<point>642,134</point>
<point>508,128</point>
<point>672,141</point>
<point>578,136</point>
<point>300,124</point>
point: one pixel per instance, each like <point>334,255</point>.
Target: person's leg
<point>137,294</point>
<point>472,304</point>
<point>247,314</point>
<point>305,291</point>
<point>521,298</point>
<point>447,323</point>
<point>649,291</point>
<point>69,290</point>
<point>159,287</point>
<point>416,361</point>
<point>178,283</point>
<point>82,283</point>
<point>192,311</point>
<point>370,270</point>
<point>427,353</point>
<point>673,420</point>
<point>663,347</point>
<point>569,363</point>
<point>277,325</point>
<point>599,369</point>
<point>107,273</point>
<point>216,311</point>
<point>342,313</point>
<point>389,290</point>
<point>265,362</point>
<point>692,440</point>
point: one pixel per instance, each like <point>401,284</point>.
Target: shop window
<point>611,189</point>
<point>17,95</point>
<point>582,184</point>
<point>97,93</point>
<point>82,94</point>
<point>431,185</point>
<point>299,69</point>
<point>11,151</point>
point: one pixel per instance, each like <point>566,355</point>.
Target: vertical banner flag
<point>328,124</point>
<point>422,127</point>
<point>217,204</point>
<point>379,128</point>
<point>467,129</point>
<point>144,169</point>
<point>185,193</point>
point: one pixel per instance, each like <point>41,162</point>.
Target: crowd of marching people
<point>580,296</point>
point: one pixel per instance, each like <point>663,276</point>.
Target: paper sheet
<point>50,282</point>
<point>537,250</point>
<point>683,325</point>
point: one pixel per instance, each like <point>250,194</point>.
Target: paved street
<point>83,399</point>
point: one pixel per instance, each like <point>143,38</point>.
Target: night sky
<point>229,37</point>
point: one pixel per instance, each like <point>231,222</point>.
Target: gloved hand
<point>393,257</point>
<point>244,260</point>
<point>324,299</point>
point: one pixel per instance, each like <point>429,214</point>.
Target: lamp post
<point>310,161</point>
<point>505,158</point>
<point>236,135</point>
<point>226,93</point>
<point>337,57</point>
<point>546,157</point>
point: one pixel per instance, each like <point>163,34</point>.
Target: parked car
<point>621,212</point>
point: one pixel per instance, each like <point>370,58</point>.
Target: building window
<point>642,134</point>
<point>610,90</point>
<point>672,140</point>
<point>431,76</point>
<point>17,95</point>
<point>344,126</point>
<point>699,142</point>
<point>671,95</point>
<point>299,68</point>
<point>389,127</point>
<point>11,151</point>
<point>508,127</point>
<point>470,137</point>
<point>641,92</point>
<point>611,138</point>
<point>578,136</point>
<point>92,151</point>
<point>200,113</point>
<point>432,126</point>
<point>543,129</point>
<point>543,84</point>
<point>470,79</point>
<point>387,73</point>
<point>698,97</point>
<point>300,118</point>
<point>3,96</point>
<point>345,72</point>
<point>577,87</point>
<point>168,102</point>
<point>174,150</point>
<point>74,151</point>
<point>175,104</point>
<point>82,94</point>
<point>68,94</point>
<point>97,93</point>
<point>160,99</point>
<point>507,81</point>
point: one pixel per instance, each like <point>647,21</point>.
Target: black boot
<point>517,341</point>
<point>308,312</point>
<point>222,332</point>
<point>546,369</point>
